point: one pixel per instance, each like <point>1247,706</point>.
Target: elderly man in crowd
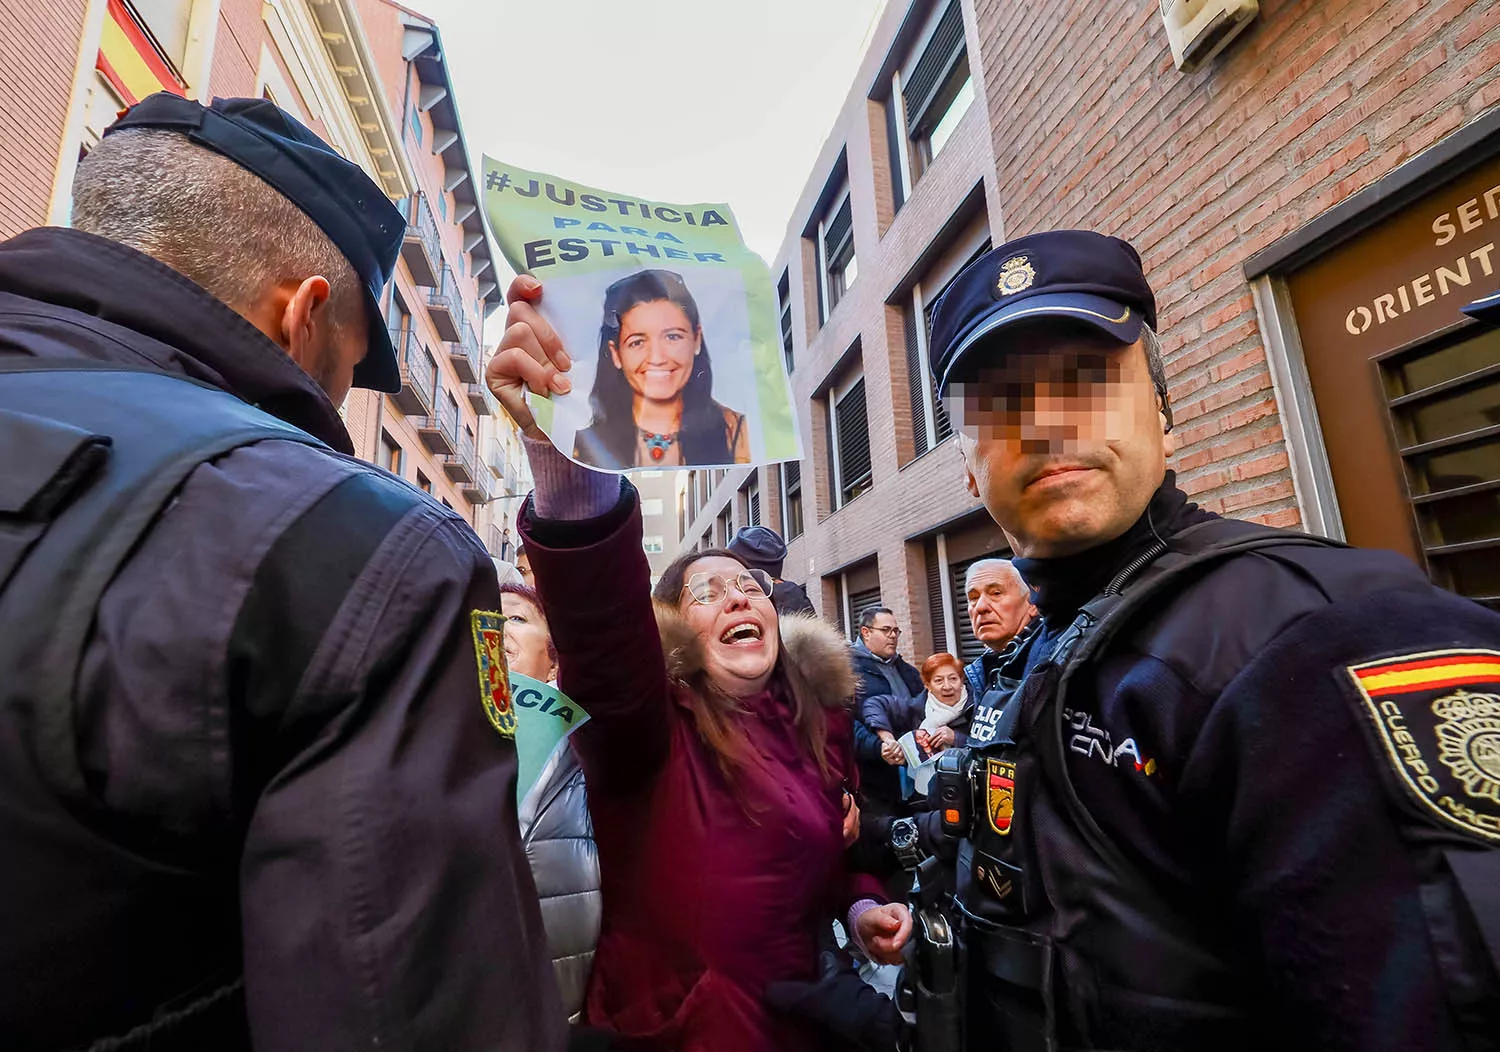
<point>1000,611</point>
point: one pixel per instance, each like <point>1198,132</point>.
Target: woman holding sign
<point>653,400</point>
<point>717,754</point>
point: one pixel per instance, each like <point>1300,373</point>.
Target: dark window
<point>938,90</point>
<point>424,483</point>
<point>725,527</point>
<point>837,248</point>
<point>791,481</point>
<point>916,383</point>
<point>784,299</point>
<point>859,602</point>
<point>1444,402</point>
<point>852,451</point>
<point>390,453</point>
<point>752,501</point>
<point>935,610</point>
<point>920,384</point>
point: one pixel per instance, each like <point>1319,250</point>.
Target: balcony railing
<point>463,465</point>
<point>445,305</point>
<point>479,398</point>
<point>422,246</point>
<point>464,353</point>
<point>494,540</point>
<point>478,489</point>
<point>439,432</point>
<point>507,478</point>
<point>418,374</point>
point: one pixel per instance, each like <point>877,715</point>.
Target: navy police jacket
<point>291,776</point>
<point>1297,755</point>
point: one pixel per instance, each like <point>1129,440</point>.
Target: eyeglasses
<point>710,589</point>
<point>890,633</point>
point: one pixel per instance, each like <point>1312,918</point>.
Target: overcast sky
<point>672,100</point>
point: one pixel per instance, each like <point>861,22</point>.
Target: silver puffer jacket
<point>558,834</point>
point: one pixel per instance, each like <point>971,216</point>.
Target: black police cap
<point>1486,310</point>
<point>336,194</point>
<point>1071,275</point>
<point>759,546</point>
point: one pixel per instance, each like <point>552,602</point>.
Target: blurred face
<point>881,637</point>
<point>656,349</point>
<point>946,685</point>
<point>1063,440</point>
<point>739,631</point>
<point>525,638</point>
<point>523,566</point>
<point>999,605</point>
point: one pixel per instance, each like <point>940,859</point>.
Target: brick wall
<point>38,58</point>
<point>1095,127</point>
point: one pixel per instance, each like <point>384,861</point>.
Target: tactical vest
<point>104,944</point>
<point>1067,940</point>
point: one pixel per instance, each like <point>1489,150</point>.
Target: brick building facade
<point>1315,167</point>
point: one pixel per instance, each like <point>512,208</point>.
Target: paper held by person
<point>671,322</point>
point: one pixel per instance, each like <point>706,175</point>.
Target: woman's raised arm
<point>582,534</point>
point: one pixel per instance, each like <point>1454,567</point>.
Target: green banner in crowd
<point>545,716</point>
<point>671,322</point>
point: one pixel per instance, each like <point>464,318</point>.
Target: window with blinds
<point>859,602</point>
<point>725,528</point>
<point>837,244</point>
<point>752,501</point>
<point>937,89</point>
<point>1444,404</point>
<point>791,502</point>
<point>784,300</point>
<point>937,612</point>
<point>852,473</point>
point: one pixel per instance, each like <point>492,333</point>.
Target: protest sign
<point>671,322</point>
<point>545,716</point>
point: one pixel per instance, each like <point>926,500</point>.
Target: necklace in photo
<point>657,445</point>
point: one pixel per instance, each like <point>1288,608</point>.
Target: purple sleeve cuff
<point>856,911</point>
<point>566,491</point>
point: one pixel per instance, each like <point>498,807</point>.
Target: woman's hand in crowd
<point>851,819</point>
<point>940,739</point>
<point>530,355</point>
<point>883,932</point>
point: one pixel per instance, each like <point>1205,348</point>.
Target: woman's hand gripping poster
<point>671,323</point>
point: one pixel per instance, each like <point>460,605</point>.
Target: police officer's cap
<point>1069,275</point>
<point>336,194</point>
<point>1486,310</point>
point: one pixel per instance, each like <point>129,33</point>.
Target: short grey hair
<point>1003,565</point>
<point>1158,369</point>
<point>207,218</point>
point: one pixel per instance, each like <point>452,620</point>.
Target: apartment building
<point>1312,204</point>
<point>369,77</point>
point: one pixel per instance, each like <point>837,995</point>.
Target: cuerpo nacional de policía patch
<point>494,678</point>
<point>1437,716</point>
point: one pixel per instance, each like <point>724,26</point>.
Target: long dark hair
<point>610,440</point>
<point>715,712</point>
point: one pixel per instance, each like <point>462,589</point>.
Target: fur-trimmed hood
<point>811,644</point>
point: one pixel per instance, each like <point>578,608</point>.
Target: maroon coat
<point>704,904</point>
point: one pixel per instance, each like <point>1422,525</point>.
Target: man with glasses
<point>1247,794</point>
<point>882,671</point>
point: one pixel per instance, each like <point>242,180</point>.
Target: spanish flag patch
<point>1437,718</point>
<point>494,676</point>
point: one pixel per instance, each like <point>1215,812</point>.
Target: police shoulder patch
<point>1000,794</point>
<point>1437,717</point>
<point>494,677</point>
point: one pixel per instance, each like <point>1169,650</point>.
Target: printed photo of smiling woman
<point>652,403</point>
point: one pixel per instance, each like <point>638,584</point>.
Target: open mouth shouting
<point>742,633</point>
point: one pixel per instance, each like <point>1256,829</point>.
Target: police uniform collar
<point>1062,585</point>
<point>186,331</point>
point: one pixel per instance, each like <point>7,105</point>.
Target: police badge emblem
<point>494,676</point>
<point>1000,794</point>
<point>1016,275</point>
<point>1437,718</point>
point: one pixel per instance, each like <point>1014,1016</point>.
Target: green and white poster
<point>670,320</point>
<point>545,716</point>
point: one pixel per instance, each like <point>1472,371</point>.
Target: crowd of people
<point>1209,785</point>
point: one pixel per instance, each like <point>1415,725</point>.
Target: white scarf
<point>940,715</point>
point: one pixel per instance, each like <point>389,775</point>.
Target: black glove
<point>841,1005</point>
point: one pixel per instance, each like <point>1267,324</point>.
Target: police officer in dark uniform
<point>1246,794</point>
<point>255,782</point>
